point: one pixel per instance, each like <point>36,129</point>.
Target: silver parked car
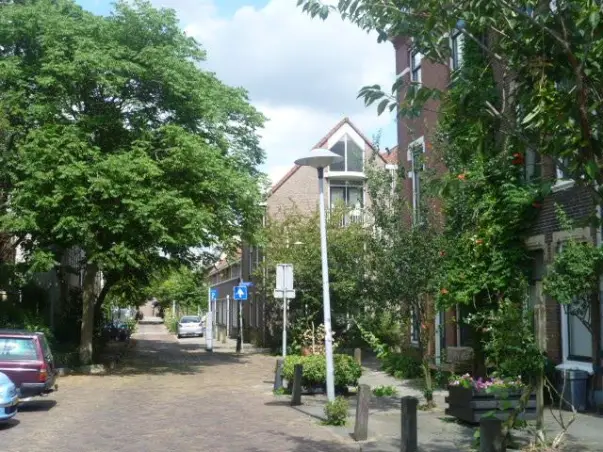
<point>190,325</point>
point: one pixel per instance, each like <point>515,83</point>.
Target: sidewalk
<point>437,432</point>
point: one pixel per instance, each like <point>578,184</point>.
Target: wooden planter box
<point>470,406</point>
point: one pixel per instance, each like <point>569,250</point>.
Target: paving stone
<point>170,395</point>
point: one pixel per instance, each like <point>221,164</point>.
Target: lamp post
<point>320,159</point>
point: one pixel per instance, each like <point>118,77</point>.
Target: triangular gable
<point>333,133</point>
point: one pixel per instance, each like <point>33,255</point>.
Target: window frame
<point>457,39</point>
<point>413,174</point>
<point>416,75</point>
<point>569,360</point>
<point>346,185</point>
<point>346,138</point>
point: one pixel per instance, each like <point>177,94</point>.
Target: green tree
<point>122,145</point>
<point>405,259</point>
<point>184,286</point>
<point>544,57</point>
<point>296,240</point>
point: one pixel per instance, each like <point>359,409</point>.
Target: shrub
<point>171,322</point>
<point>347,370</point>
<point>402,365</point>
<point>385,391</point>
<point>336,411</point>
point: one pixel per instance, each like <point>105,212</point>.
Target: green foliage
<point>404,366</point>
<point>121,145</point>
<point>296,239</point>
<point>170,322</point>
<point>336,412</point>
<point>552,100</point>
<point>347,370</point>
<point>184,286</point>
<point>385,391</point>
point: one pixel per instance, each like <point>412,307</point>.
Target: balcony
<point>346,218</point>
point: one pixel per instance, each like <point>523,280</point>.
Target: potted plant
<point>471,399</point>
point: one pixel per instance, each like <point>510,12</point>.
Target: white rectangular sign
<point>284,277</point>
<point>289,294</point>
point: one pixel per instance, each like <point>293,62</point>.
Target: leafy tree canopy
<point>122,144</point>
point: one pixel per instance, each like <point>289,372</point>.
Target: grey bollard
<point>362,413</point>
<point>491,437</point>
<point>223,337</point>
<point>278,375</point>
<point>408,410</point>
<point>358,356</point>
<point>297,381</point>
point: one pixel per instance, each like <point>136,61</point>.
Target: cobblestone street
<point>169,395</point>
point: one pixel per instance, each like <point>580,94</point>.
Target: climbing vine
<point>489,207</point>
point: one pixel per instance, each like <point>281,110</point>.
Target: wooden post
<point>297,385</point>
<point>408,408</point>
<point>491,438</point>
<point>278,375</point>
<point>362,412</point>
<point>358,356</point>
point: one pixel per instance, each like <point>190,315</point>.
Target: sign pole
<point>209,345</point>
<point>284,318</point>
<point>241,324</point>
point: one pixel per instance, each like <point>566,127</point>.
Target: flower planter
<point>470,405</point>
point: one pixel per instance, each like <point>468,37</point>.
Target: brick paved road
<point>169,395</point>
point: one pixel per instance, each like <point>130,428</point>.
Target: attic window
<point>352,154</point>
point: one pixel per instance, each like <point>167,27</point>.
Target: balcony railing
<point>353,216</point>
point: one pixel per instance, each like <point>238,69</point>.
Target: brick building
<point>569,342</point>
<point>298,190</point>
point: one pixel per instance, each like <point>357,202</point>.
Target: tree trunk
<point>98,304</point>
<point>88,300</point>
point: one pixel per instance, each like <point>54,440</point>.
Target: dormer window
<point>353,155</point>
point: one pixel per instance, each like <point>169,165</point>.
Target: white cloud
<point>303,74</point>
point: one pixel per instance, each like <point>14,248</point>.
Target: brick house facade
<point>298,191</point>
<point>568,341</point>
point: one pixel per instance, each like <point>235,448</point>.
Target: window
<point>575,329</point>
<point>17,349</point>
<point>353,155</point>
<point>561,169</point>
<point>456,49</point>
<point>579,338</point>
<point>415,66</point>
<point>349,194</point>
<point>533,165</point>
<point>416,149</point>
<point>415,327</point>
<point>562,176</point>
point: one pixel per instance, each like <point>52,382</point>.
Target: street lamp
<point>320,159</point>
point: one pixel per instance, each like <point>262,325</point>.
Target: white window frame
<point>345,153</point>
<point>561,181</point>
<point>565,352</point>
<point>410,157</point>
<point>345,184</point>
<point>416,74</point>
<point>457,40</point>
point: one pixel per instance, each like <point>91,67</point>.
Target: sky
<point>303,74</point>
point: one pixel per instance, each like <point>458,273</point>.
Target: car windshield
<point>190,320</point>
<point>17,349</point>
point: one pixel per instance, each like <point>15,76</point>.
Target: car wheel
<point>179,337</point>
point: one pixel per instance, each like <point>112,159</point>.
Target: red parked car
<point>26,359</point>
